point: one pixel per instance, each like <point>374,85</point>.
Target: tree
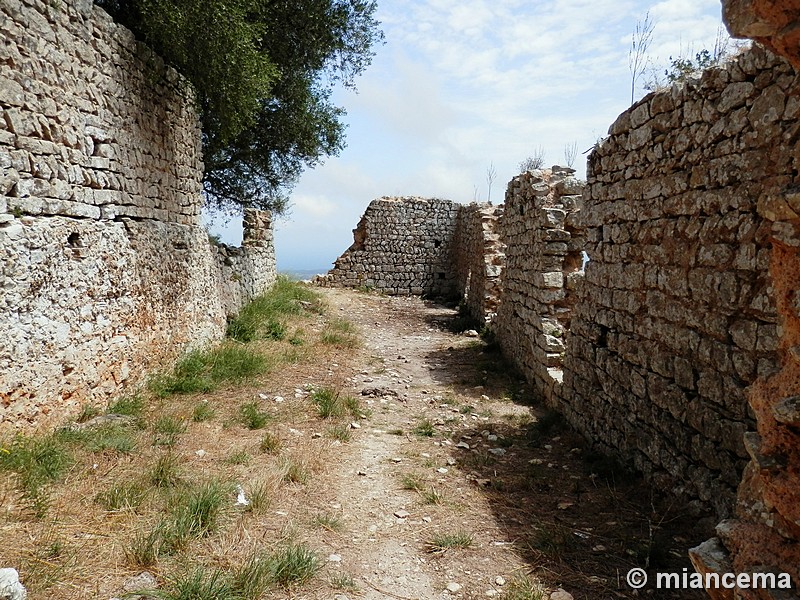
<point>491,175</point>
<point>641,38</point>
<point>262,72</point>
<point>571,153</point>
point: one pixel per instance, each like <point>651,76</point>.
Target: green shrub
<point>252,416</point>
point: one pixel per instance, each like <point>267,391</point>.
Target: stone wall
<point>676,315</point>
<point>765,533</point>
<point>105,271</point>
<point>479,259</point>
<point>402,246</point>
<point>544,262</point>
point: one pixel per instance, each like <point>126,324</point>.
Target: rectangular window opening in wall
<point>437,243</point>
<point>441,275</point>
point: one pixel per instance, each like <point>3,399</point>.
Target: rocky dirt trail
<point>404,383</point>
<point>454,444</point>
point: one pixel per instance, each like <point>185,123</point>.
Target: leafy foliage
<point>263,72</point>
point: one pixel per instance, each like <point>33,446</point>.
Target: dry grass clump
<point>85,506</point>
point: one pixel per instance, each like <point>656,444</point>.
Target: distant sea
<point>303,274</point>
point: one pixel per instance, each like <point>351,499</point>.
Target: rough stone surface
<point>774,23</point>
<point>430,247</point>
<point>402,246</point>
<point>543,265</point>
<point>676,315</point>
<point>479,257</point>
<point>105,270</point>
<point>10,586</point>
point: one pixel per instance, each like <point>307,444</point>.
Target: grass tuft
<point>432,496</point>
<point>167,429</point>
<point>341,433</point>
<point>442,542</point>
<point>252,417</point>
<point>122,496</point>
<point>293,564</point>
<point>199,584</point>
<point>424,428</point>
<point>270,443</point>
<point>413,481</point>
<point>327,521</point>
<point>252,578</point>
<point>344,581</point>
<point>132,406</point>
<point>37,461</point>
<point>340,333</point>
<point>523,587</point>
<point>203,370</point>
<point>166,472</point>
<point>332,404</point>
<point>202,412</point>
<point>293,471</point>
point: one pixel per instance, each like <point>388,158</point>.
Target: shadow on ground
<point>576,517</point>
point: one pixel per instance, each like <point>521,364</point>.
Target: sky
<point>462,86</point>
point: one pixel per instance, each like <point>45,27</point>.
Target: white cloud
<point>462,83</point>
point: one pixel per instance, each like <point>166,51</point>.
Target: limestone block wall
<point>246,271</point>
<point>105,271</point>
<point>543,264</point>
<point>676,315</point>
<point>479,259</point>
<point>402,246</point>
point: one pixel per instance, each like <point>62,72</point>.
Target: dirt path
<point>494,466</point>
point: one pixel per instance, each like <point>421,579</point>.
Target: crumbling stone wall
<point>676,316</point>
<point>105,271</point>
<point>765,533</point>
<point>543,264</point>
<point>479,259</point>
<point>402,246</point>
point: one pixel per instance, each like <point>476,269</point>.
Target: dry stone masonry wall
<point>544,261</point>
<point>402,246</point>
<point>676,316</point>
<point>479,259</point>
<point>105,271</point>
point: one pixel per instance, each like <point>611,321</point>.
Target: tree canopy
<point>263,72</point>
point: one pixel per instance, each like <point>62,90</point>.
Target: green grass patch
<point>442,542</point>
<point>327,521</point>
<point>340,333</point>
<point>199,584</point>
<point>424,428</point>
<point>132,406</point>
<point>344,581</point>
<point>203,412</point>
<point>167,430</point>
<point>332,404</point>
<point>523,587</point>
<point>432,496</point>
<point>412,481</point>
<point>340,433</point>
<point>166,472</point>
<point>293,564</point>
<point>293,471</point>
<point>253,577</point>
<point>202,371</point>
<point>122,496</point>
<point>37,462</point>
<point>240,457</point>
<point>252,416</point>
<point>264,317</point>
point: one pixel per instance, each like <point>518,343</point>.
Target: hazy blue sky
<point>462,84</point>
